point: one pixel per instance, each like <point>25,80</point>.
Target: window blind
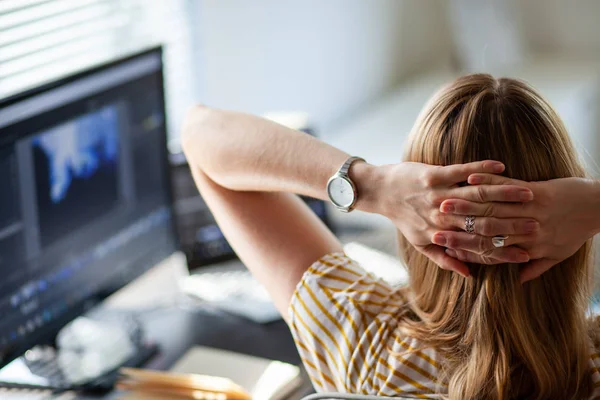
<point>42,40</point>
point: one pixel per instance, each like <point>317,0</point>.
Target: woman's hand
<point>411,195</point>
<point>568,211</point>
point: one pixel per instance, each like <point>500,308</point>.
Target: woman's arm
<point>567,209</point>
<point>247,153</point>
<point>245,166</point>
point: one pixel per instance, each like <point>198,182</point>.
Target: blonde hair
<point>500,339</point>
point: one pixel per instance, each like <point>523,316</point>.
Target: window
<point>42,40</point>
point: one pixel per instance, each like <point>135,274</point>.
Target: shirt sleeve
<point>341,318</point>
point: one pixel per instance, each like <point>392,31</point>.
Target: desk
<point>176,330</point>
<point>217,329</point>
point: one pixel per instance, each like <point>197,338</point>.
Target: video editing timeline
<point>27,299</point>
<point>85,206</point>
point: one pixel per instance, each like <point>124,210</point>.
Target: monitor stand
<point>86,356</point>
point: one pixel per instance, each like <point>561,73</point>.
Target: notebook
<point>264,379</point>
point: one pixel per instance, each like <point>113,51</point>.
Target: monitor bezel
<point>46,335</point>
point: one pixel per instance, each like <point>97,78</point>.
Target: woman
<point>478,334</point>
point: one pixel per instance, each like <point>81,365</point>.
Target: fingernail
<point>439,239</point>
<point>451,253</point>
<point>523,257</point>
<point>525,195</point>
<point>498,167</point>
<point>475,180</point>
<point>532,226</point>
<point>447,208</point>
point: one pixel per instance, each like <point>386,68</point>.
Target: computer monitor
<point>85,204</point>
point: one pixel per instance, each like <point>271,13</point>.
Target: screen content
<point>85,203</point>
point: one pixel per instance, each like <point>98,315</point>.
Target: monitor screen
<point>85,204</point>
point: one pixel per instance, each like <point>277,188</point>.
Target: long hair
<point>500,339</point>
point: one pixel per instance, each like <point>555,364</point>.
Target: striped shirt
<point>344,324</point>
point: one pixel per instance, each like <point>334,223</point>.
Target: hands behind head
<point>546,222</point>
<point>566,210</point>
<point>414,193</point>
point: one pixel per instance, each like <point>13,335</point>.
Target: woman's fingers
<point>483,246</point>
<point>491,226</point>
<point>489,193</point>
<point>452,174</point>
<point>535,268</point>
<point>444,261</point>
<point>472,257</point>
<point>491,179</point>
<point>499,210</point>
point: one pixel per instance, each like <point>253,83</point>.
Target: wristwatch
<point>340,188</point>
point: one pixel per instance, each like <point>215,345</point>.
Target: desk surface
<point>176,330</point>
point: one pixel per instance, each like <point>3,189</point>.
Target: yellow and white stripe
<point>344,323</point>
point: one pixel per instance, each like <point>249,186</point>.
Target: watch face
<point>341,192</point>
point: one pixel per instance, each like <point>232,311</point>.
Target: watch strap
<point>346,166</point>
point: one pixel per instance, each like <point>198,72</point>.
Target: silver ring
<point>498,241</point>
<point>470,224</point>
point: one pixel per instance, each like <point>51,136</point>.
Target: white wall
<point>324,57</point>
<point>562,26</point>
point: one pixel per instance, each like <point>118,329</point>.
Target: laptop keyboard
<point>232,288</point>
<point>233,285</point>
<point>235,291</point>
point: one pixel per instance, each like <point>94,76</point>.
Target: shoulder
<point>337,279</point>
<point>344,321</point>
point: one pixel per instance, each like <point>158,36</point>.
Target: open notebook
<point>241,376</point>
